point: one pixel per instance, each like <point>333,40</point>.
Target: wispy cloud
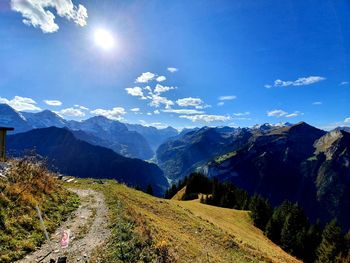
<point>221,103</point>
<point>21,103</point>
<point>183,111</point>
<point>276,113</point>
<point>157,101</point>
<point>39,13</point>
<point>136,92</point>
<point>317,103</point>
<point>81,107</point>
<point>347,120</point>
<point>71,112</point>
<point>239,114</point>
<point>229,97</point>
<point>160,89</point>
<point>294,114</point>
<point>116,113</point>
<point>53,102</point>
<point>304,81</point>
<point>206,118</point>
<point>161,78</point>
<point>282,113</point>
<point>186,102</point>
<point>343,83</point>
<point>172,69</point>
<point>135,109</point>
<point>145,77</point>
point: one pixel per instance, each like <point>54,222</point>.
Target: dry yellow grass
<point>239,224</point>
<point>179,194</point>
<point>194,232</point>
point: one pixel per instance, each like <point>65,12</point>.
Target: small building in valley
<point>3,131</point>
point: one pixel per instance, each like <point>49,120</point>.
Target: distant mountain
<point>344,128</point>
<point>12,118</point>
<point>44,119</point>
<point>154,136</point>
<point>116,135</point>
<point>74,157</point>
<point>299,163</point>
<point>126,139</point>
<point>178,156</point>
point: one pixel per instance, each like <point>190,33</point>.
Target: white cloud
<point>21,103</point>
<point>230,97</point>
<point>268,86</point>
<point>317,103</point>
<point>158,125</point>
<point>221,103</point>
<point>160,89</point>
<point>149,113</point>
<point>241,114</point>
<point>113,114</point>
<point>135,109</point>
<point>161,78</point>
<point>157,100</point>
<point>172,70</point>
<point>71,112</point>
<point>276,113</point>
<point>343,83</point>
<point>37,13</point>
<point>186,102</point>
<point>205,118</point>
<point>304,81</point>
<point>145,77</point>
<point>183,111</point>
<point>294,114</point>
<point>53,102</point>
<point>282,113</point>
<point>81,107</point>
<point>156,112</point>
<point>347,120</point>
<point>135,91</point>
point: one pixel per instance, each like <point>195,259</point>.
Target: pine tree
<point>293,232</point>
<point>275,224</point>
<point>331,243</point>
<point>149,190</point>
<point>312,241</point>
<point>261,211</point>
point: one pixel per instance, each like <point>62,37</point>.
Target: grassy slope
<point>190,231</point>
<point>29,184</point>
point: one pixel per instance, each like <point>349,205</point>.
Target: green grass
<point>220,159</point>
<point>30,184</point>
<point>147,229</point>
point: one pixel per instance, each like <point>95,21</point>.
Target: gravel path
<point>88,227</point>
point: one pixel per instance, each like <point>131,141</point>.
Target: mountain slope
<point>78,158</point>
<point>120,139</point>
<point>154,136</point>
<point>188,231</point>
<point>12,118</point>
<point>44,119</point>
<point>298,163</point>
<point>179,155</point>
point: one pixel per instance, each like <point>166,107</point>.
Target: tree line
<point>285,225</point>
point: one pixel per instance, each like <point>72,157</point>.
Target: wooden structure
<point>3,131</point>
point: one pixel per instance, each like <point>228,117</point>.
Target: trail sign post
<point>3,131</point>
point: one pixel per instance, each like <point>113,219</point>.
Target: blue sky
<point>237,62</point>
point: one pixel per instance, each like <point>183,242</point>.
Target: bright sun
<point>104,39</point>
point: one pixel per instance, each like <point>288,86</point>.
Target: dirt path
<point>88,227</point>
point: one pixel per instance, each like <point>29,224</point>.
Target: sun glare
<point>104,39</point>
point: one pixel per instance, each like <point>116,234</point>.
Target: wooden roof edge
<point>7,128</point>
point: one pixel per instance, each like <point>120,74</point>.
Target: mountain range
<point>129,140</point>
<point>71,156</point>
